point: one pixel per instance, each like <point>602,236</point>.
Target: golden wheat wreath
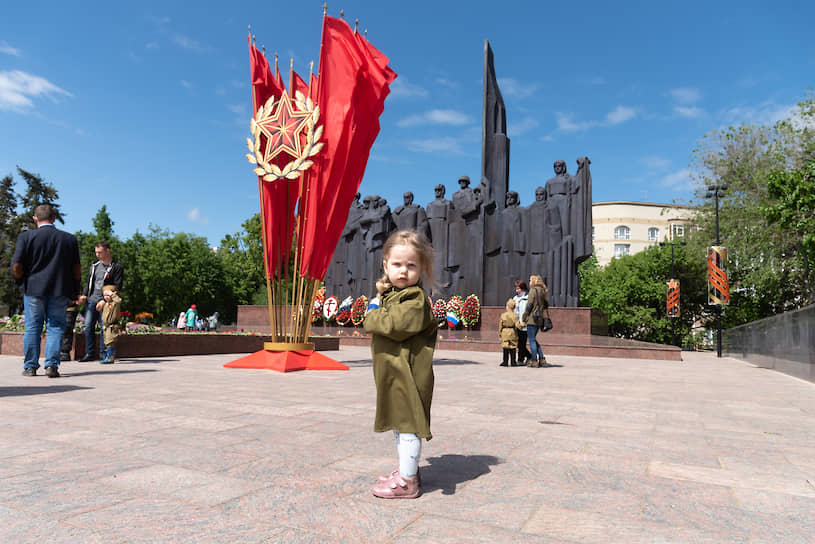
<point>292,170</point>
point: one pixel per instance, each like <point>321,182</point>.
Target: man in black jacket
<point>46,267</point>
<point>105,271</point>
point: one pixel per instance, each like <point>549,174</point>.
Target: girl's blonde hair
<point>422,247</point>
<point>536,280</point>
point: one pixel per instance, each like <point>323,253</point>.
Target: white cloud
<point>686,95</point>
<point>677,180</point>
<point>654,162</point>
<point>402,88</point>
<point>597,80</point>
<point>524,125</point>
<point>151,45</point>
<point>436,117</point>
<point>9,50</point>
<point>766,113</point>
<point>194,215</point>
<point>565,123</point>
<point>692,112</point>
<point>189,44</point>
<point>445,145</point>
<point>620,115</point>
<point>186,84</point>
<point>444,82</point>
<point>512,87</point>
<point>239,109</point>
<point>18,89</point>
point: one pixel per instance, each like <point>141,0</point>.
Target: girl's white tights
<point>409,448</point>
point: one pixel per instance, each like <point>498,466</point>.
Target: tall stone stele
<point>484,238</point>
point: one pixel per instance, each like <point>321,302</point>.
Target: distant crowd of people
<point>191,321</point>
<point>47,269</point>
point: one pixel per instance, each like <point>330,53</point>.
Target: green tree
<point>792,206</point>
<point>242,255</point>
<point>170,272</point>
<point>763,278</point>
<point>631,292</point>
<point>37,192</point>
<point>103,224</point>
<point>9,293</point>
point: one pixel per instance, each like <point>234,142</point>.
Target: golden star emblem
<point>283,129</point>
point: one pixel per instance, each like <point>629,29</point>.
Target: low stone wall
<point>168,345</point>
<point>784,342</point>
<point>566,320</point>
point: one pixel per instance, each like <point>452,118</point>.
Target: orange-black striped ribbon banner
<point>672,298</point>
<point>718,288</point>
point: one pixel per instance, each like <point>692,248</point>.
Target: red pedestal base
<point>287,361</point>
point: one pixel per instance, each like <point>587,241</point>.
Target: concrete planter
<point>170,344</point>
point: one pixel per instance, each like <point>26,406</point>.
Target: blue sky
<point>144,107</point>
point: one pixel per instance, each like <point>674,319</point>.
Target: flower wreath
<point>471,311</point>
<point>440,311</point>
<point>330,309</point>
<point>454,306</point>
<point>358,310</point>
<point>344,311</point>
<point>317,309</point>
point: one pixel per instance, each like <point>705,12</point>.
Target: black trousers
<point>509,353</point>
<point>523,351</point>
<point>68,335</point>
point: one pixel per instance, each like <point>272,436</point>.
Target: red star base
<point>287,361</point>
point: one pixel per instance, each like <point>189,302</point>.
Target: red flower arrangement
<point>317,310</point>
<point>440,311</point>
<point>344,317</point>
<point>471,311</point>
<point>358,310</point>
<point>454,306</point>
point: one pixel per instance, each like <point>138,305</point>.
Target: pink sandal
<point>398,487</point>
<point>386,477</point>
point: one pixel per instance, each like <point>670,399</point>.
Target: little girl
<point>403,331</point>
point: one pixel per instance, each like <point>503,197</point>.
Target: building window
<point>621,249</point>
<point>677,231</point>
<point>653,234</point>
<point>622,233</point>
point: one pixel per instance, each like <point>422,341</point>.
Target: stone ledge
<point>172,344</point>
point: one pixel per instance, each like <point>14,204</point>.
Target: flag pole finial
<point>342,14</point>
<point>325,8</point>
<point>356,24</point>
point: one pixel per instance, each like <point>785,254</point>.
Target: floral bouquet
<point>344,311</point>
<point>440,311</point>
<point>317,309</point>
<point>124,317</point>
<point>454,306</point>
<point>330,309</point>
<point>358,310</point>
<point>471,311</point>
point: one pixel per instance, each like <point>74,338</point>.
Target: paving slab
<point>590,450</point>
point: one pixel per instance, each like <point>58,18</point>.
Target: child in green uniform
<point>111,307</point>
<point>403,331</point>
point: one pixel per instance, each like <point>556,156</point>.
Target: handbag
<point>547,322</point>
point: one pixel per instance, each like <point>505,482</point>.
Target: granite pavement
<point>590,450</point>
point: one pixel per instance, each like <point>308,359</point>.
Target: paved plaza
<point>591,450</point>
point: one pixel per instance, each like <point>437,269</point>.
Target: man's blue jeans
<point>51,311</point>
<point>92,317</point>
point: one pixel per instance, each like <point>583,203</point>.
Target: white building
<point>623,228</point>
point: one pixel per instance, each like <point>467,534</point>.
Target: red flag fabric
<point>278,198</point>
<point>352,86</point>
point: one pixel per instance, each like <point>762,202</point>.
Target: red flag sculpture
<point>310,146</point>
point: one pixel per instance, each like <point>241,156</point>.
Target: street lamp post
<point>716,192</point>
<point>673,317</point>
